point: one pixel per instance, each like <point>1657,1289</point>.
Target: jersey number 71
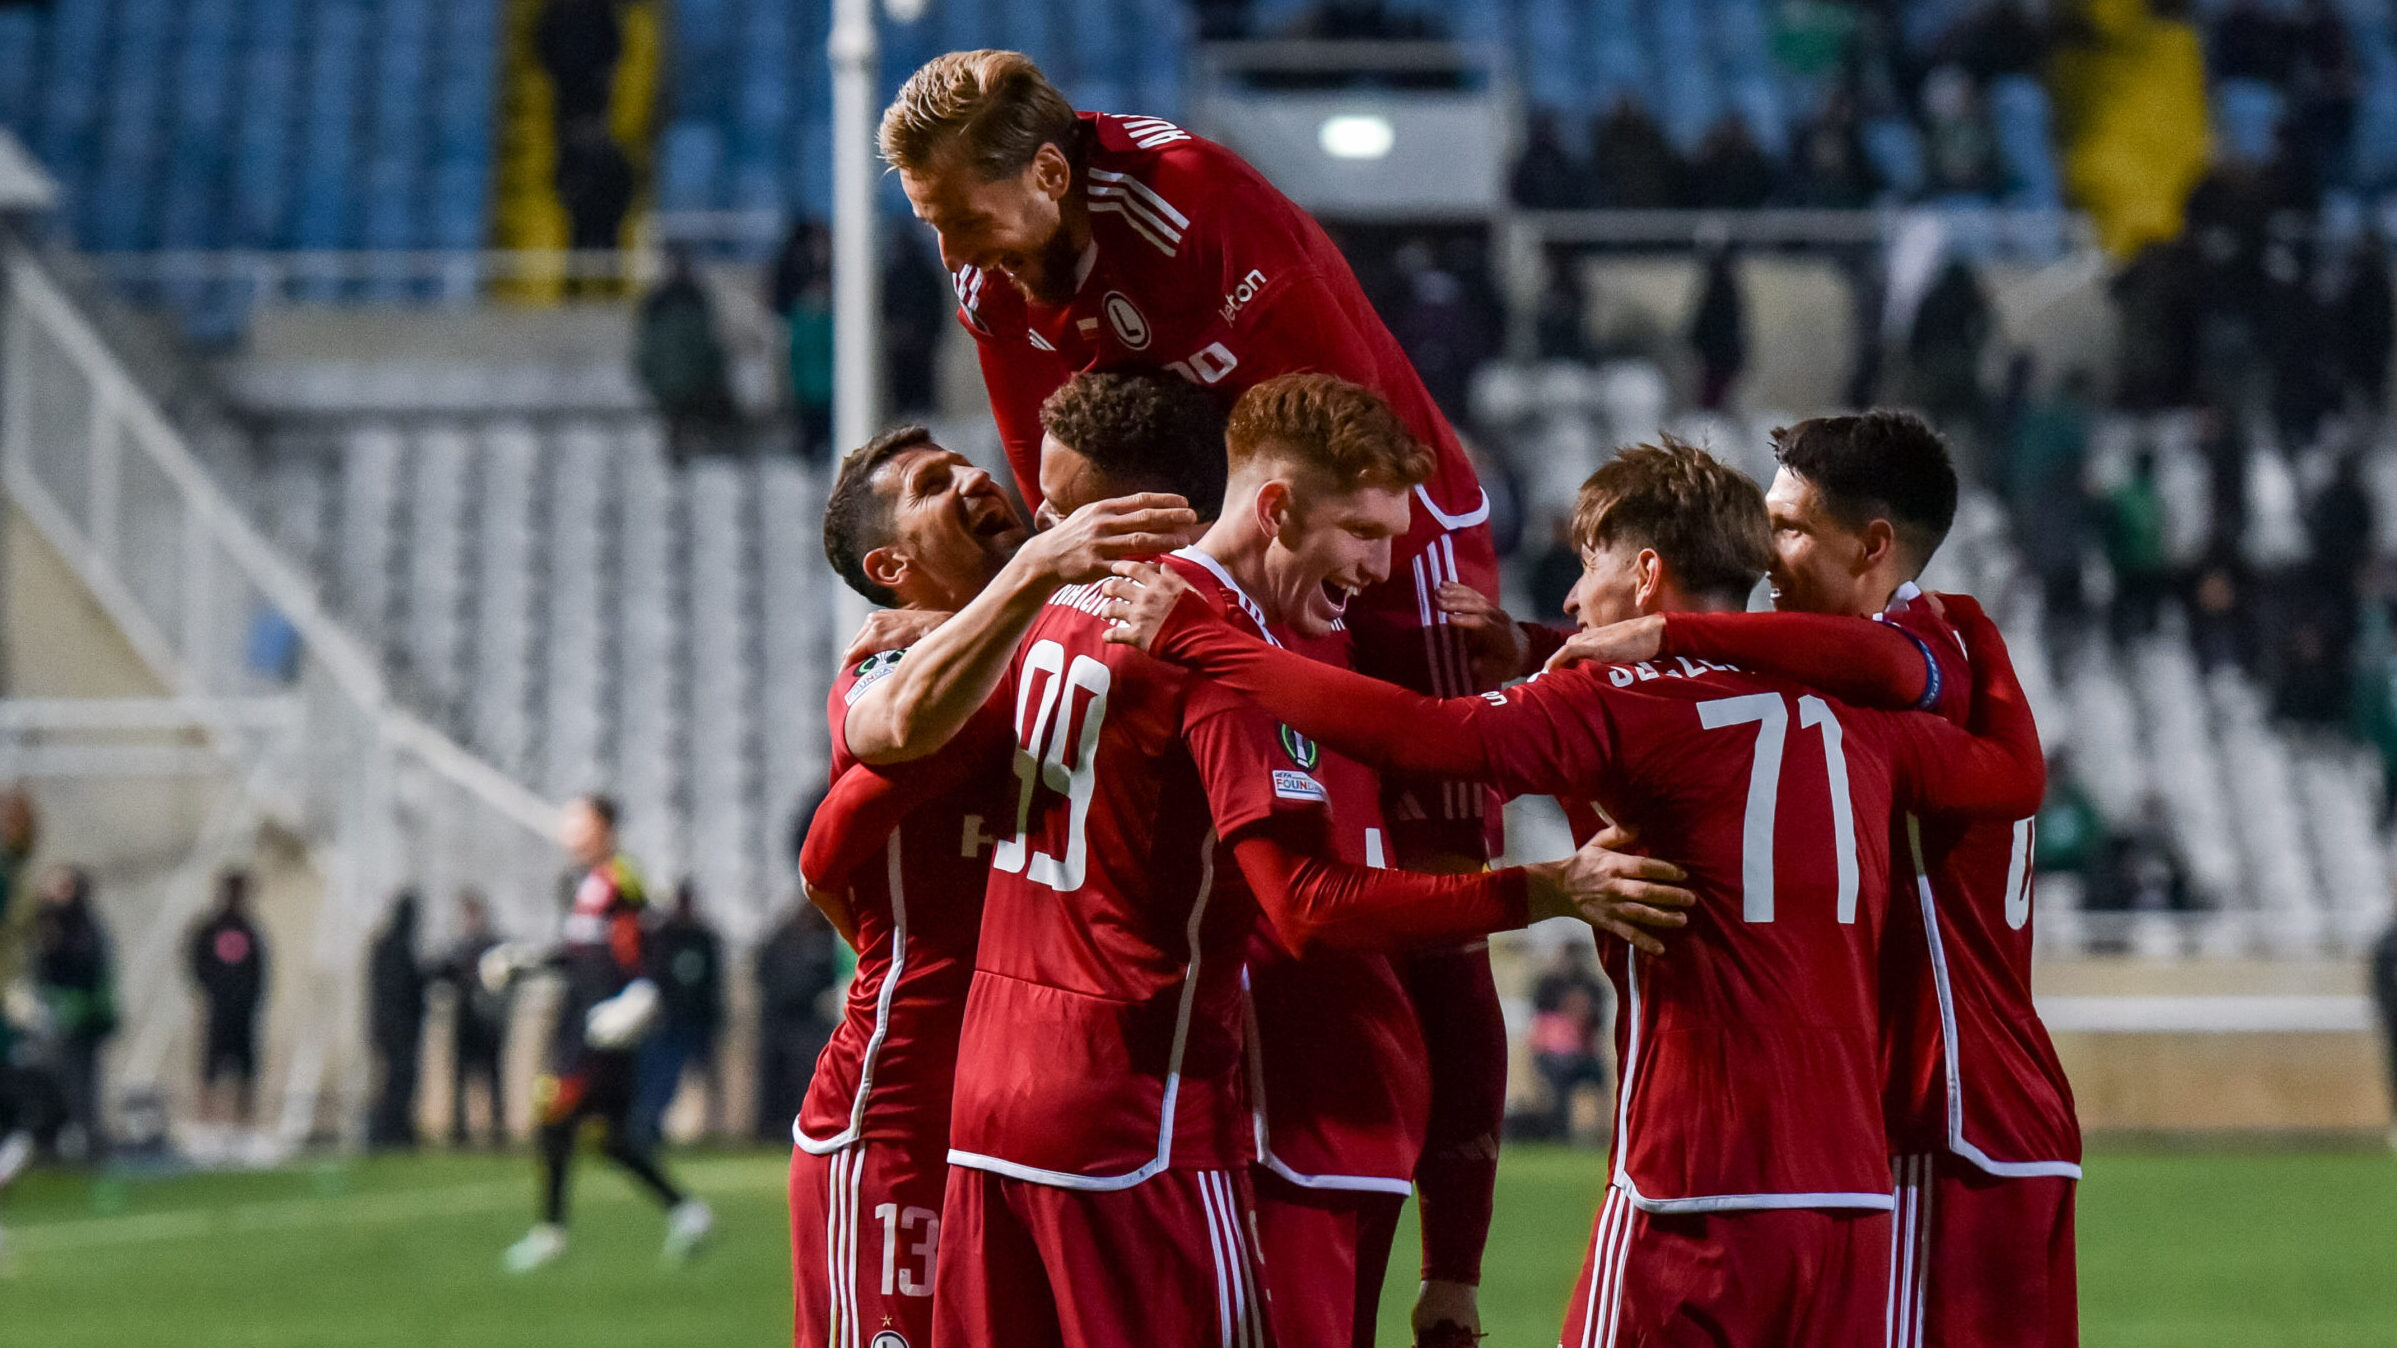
<point>1057,750</point>
<point>1769,713</point>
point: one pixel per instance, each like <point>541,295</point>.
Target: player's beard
<point>1049,279</point>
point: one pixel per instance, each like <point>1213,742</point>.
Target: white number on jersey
<point>923,1251</point>
<point>1769,713</point>
<point>1044,737</point>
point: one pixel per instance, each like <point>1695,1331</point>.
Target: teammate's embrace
<point>1749,1196</point>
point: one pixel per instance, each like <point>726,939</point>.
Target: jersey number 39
<point>1058,711</point>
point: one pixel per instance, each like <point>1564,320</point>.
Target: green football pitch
<point>2177,1251</point>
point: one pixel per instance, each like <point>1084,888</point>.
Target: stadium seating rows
<point>675,650</point>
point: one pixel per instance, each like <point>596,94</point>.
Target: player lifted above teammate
<point>1750,1137</point>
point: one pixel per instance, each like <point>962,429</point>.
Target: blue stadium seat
<point>2018,107</point>
<point>1690,101</point>
<point>690,155</point>
<point>2247,116</point>
<point>21,32</point>
<point>1896,148</point>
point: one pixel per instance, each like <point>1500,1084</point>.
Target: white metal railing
<point>384,800</point>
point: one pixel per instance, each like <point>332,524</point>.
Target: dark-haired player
<point>1099,1190</point>
<point>1748,1204</point>
<point>914,525</point>
<point>610,1003</point>
<point>1986,1143</point>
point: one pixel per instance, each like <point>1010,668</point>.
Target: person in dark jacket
<point>227,960</point>
<point>1719,330</point>
<point>395,984</point>
<point>2367,323</point>
<point>681,360</point>
<point>74,977</point>
<point>689,958</point>
<point>796,965</point>
<point>578,43</point>
<point>595,186</point>
<point>479,1034</point>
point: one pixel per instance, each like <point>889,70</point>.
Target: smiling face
<point>1013,225</point>
<point>1609,591</point>
<point>952,528</point>
<point>1325,547</point>
<point>1818,562</point>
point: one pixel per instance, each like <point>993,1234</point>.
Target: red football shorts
<point>1169,1263</point>
<point>1326,1251</point>
<point>865,1241</point>
<point>1980,1262</point>
<point>1404,638</point>
<point>1767,1278</point>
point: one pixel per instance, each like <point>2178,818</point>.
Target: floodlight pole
<point>856,261</point>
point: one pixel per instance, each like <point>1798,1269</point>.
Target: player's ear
<point>1276,504</point>
<point>884,566</point>
<point>1878,541</point>
<point>1648,570</point>
<point>1052,172</point>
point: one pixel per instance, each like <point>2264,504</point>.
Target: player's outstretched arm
<point>1995,766</point>
<point>922,704</point>
<point>1859,661</point>
<point>1503,743</point>
<point>853,823</point>
<point>1316,902</point>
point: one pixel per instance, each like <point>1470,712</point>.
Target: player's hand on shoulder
<point>890,629</point>
<point>1493,642</point>
<point>1140,596</point>
<point>1086,543</point>
<point>1623,643</point>
<point>1615,891</point>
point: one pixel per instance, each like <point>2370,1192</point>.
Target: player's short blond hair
<point>990,111</point>
<point>1705,518</point>
<point>1339,435</point>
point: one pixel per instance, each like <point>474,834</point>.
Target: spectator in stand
<point>1831,169</point>
<point>2299,343</point>
<point>578,43</point>
<point>2366,320</point>
<point>395,983</point>
<point>2048,453</point>
<point>2313,688</point>
<point>1568,1022</point>
<point>2071,834</point>
<point>1548,177</point>
<point>479,1034</point>
<point>2220,628</point>
<point>2222,440</point>
<point>1442,328</point>
<point>1732,171</point>
<point>681,361</point>
<point>801,292</point>
<point>2159,300</point>
<point>2326,84</point>
<point>2143,871</point>
<point>2135,549</point>
<point>595,186</point>
<point>1560,324</point>
<point>227,960</point>
<point>917,300</point>
<point>1952,328</point>
<point>1959,144</point>
<point>74,978</point>
<point>1633,166</point>
<point>2340,522</point>
<point>797,964</point>
<point>1719,330</point>
<point>689,958</point>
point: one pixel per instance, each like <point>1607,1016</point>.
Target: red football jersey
<point>1102,1038</point>
<point>888,1071</point>
<point>1750,1052</point>
<point>1202,267</point>
<point>1970,1064</point>
<point>1339,1078</point>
